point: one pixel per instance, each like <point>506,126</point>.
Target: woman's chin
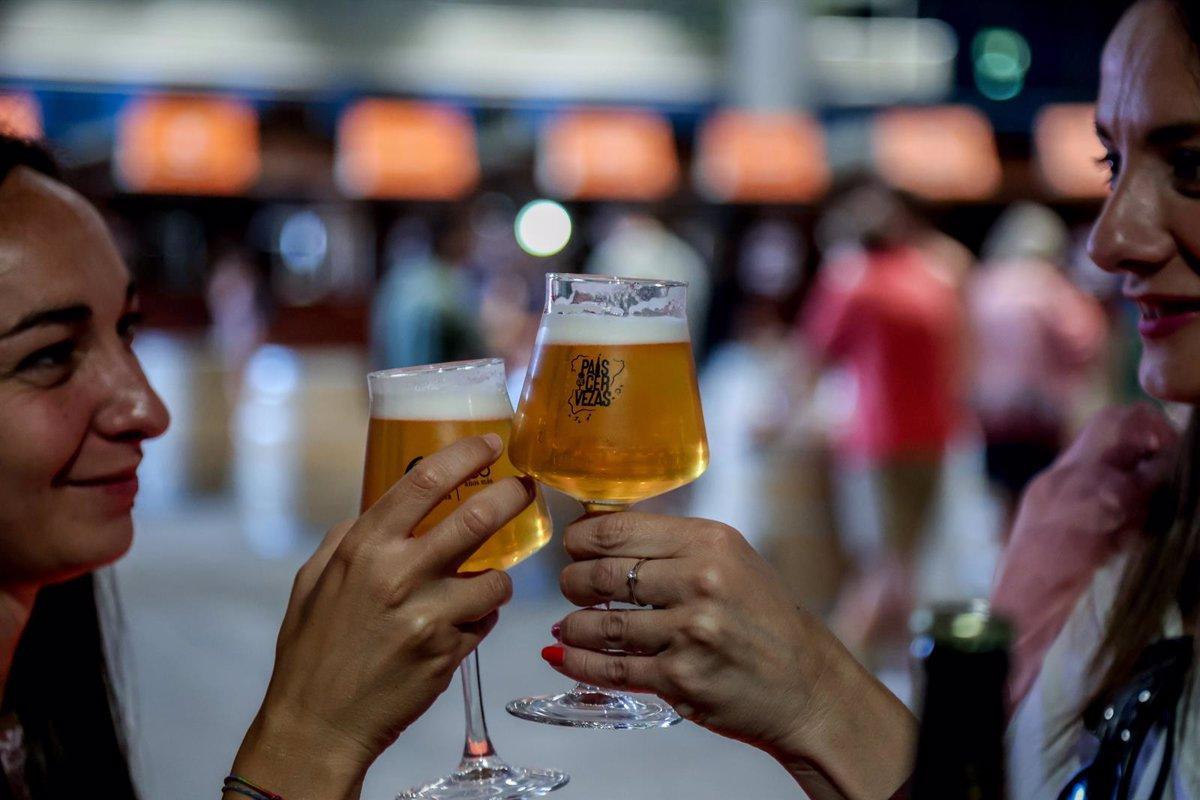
<point>1170,382</point>
<point>90,547</point>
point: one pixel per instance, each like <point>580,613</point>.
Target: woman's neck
<point>16,604</point>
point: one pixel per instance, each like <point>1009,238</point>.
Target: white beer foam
<point>474,394</point>
<point>604,329</point>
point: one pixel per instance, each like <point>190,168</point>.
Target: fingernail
<point>556,631</point>
<point>553,655</point>
<point>494,441</point>
<point>1153,442</point>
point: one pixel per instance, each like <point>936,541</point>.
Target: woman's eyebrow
<point>65,315</point>
<point>1173,133</point>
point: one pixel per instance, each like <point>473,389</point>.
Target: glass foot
<point>595,708</point>
<point>489,779</point>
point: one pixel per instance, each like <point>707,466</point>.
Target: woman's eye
<point>48,364</point>
<point>1185,164</point>
<point>1111,163</point>
<point>128,325</point>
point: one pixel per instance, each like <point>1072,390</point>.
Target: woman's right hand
<point>375,627</point>
<point>1073,517</point>
<point>723,642</point>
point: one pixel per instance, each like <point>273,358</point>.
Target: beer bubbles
<point>543,228</point>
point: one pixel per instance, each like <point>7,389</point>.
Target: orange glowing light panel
<point>762,158</point>
<point>1066,150</point>
<point>188,145</point>
<point>608,154</point>
<point>399,149</point>
<point>20,115</point>
<point>938,153</point>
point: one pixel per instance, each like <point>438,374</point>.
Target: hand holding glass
<point>415,412</point>
<point>610,414</point>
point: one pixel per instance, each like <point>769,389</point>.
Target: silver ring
<point>631,579</point>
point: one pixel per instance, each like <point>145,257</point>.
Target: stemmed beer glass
<point>415,412</point>
<point>609,414</point>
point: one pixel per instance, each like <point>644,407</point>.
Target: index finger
<point>425,485</point>
<point>632,535</point>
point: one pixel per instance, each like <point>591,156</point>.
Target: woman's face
<point>74,404</point>
<point>1148,116</point>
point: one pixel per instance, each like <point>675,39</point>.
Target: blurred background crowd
<point>880,206</point>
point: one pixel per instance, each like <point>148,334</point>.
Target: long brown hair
<point>1164,571</point>
<point>61,686</point>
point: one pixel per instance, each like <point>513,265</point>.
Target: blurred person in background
<point>634,244</point>
<point>893,320</point>
<point>233,293</point>
<point>377,622</point>
<point>1038,341</point>
<point>426,309</point>
<point>767,468</point>
<point>1101,576</point>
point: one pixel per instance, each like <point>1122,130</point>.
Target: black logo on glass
<point>596,384</point>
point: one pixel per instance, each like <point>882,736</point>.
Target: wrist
<point>298,760</point>
<point>857,736</point>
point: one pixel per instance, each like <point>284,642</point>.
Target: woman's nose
<point>1130,235</point>
<point>132,409</point>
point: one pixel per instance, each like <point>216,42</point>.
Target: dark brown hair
<point>1166,568</point>
<point>60,685</point>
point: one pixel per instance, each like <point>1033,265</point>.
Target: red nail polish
<point>553,654</point>
<point>556,631</point>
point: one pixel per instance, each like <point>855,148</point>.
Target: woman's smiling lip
<point>121,485</point>
<point>1165,314</point>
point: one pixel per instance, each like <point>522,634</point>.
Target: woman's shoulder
<point>1045,736</point>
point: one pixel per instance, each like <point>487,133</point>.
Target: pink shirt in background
<point>896,322</point>
<point>1037,337</point>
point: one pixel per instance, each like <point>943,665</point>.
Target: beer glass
<point>609,414</point>
<point>415,412</point>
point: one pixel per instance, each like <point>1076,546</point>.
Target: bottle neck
<point>960,751</point>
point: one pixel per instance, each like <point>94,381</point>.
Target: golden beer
<point>609,419</point>
<point>405,428</point>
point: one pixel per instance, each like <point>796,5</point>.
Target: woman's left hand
<point>724,644</point>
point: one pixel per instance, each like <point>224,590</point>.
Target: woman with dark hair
<point>1106,694</point>
<point>377,621</point>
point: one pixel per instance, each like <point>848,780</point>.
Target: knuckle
<point>346,557</point>
<point>614,626</point>
<point>682,678</point>
<point>478,519</point>
<point>443,662</point>
<point>616,671</point>
<point>723,537</point>
<point>704,629</point>
<point>303,579</point>
<point>612,532</point>
<point>422,631</point>
<point>428,476</point>
<point>604,578</point>
<point>711,580</point>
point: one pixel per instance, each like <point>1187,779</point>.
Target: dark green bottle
<point>960,751</point>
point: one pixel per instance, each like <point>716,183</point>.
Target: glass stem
<point>586,690</point>
<point>478,745</point>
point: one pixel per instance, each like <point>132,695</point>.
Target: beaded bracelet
<point>239,785</point>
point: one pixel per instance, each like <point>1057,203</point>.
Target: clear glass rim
<point>432,369</point>
<point>579,277</point>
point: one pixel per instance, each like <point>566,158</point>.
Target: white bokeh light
<point>543,228</point>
